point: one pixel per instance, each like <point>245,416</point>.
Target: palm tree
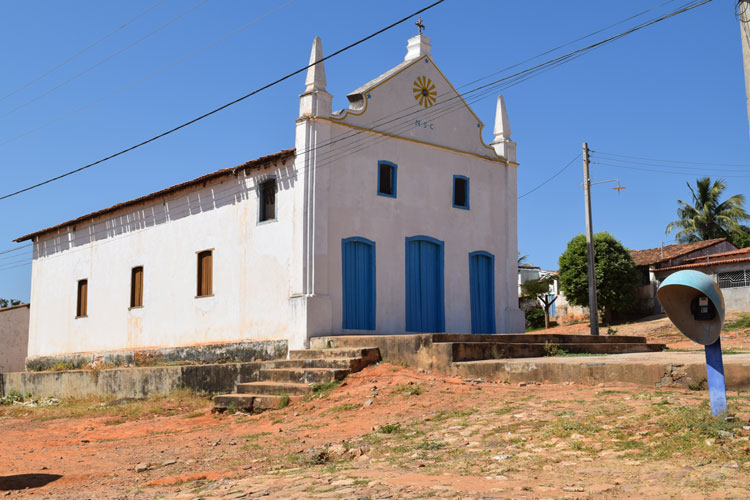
<point>708,218</point>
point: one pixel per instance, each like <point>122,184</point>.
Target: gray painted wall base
<point>130,382</point>
<point>237,352</point>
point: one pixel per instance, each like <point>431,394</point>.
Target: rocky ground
<point>388,432</point>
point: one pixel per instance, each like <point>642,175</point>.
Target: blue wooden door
<point>358,283</point>
<point>424,285</point>
<point>482,285</point>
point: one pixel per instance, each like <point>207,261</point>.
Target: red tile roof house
<point>719,258</point>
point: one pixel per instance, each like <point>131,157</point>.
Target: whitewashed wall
<point>423,206</point>
<point>250,272</point>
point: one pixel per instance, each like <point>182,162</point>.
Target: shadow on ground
<point>22,481</point>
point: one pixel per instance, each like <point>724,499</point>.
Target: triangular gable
<point>415,101</point>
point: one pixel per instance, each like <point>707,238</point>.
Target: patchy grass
<point>741,323</point>
<point>324,389</point>
<point>409,389</point>
<point>121,410</point>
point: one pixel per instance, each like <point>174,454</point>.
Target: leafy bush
<point>534,318</point>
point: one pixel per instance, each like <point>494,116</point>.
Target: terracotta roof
<point>704,264</point>
<point>719,256</point>
<point>252,164</point>
<point>654,255</point>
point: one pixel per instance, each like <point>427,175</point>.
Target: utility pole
<point>593,312</point>
<point>743,12</point>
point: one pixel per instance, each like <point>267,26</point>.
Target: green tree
<point>616,274</point>
<point>539,290</point>
<point>708,217</point>
<point>11,302</point>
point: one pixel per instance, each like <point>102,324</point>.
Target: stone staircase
<point>282,381</point>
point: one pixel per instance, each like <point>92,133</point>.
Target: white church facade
<point>390,217</point>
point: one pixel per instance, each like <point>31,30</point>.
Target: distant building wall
<point>14,337</point>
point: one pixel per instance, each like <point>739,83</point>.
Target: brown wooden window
<point>82,302</point>
<point>136,287</point>
<point>267,207</point>
<point>205,273</point>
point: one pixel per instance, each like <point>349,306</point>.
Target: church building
<point>392,216</point>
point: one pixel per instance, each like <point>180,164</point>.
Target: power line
<point>483,89</point>
<point>553,176</point>
<point>82,51</point>
<point>147,76</point>
<point>16,249</point>
<point>102,61</point>
<point>684,174</point>
<point>220,108</point>
<point>684,162</point>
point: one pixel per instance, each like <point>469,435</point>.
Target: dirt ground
<point>390,432</point>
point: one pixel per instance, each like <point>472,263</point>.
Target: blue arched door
<point>358,283</point>
<point>424,285</point>
<point>482,285</point>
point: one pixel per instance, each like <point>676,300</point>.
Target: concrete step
<point>340,363</point>
<point>302,375</point>
<point>537,338</point>
<point>252,403</point>
<point>367,353</point>
<point>274,388</point>
<point>474,351</point>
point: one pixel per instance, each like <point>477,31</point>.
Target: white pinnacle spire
<point>502,125</point>
<point>315,101</point>
<point>316,75</point>
<point>502,144</point>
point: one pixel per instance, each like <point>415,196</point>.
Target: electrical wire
<point>552,177</point>
<point>489,87</point>
<point>16,249</point>
<point>682,162</point>
<point>220,108</point>
<point>684,174</point>
<point>102,61</point>
<point>512,80</point>
<point>82,51</point>
<point>145,77</point>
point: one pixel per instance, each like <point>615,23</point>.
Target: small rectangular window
<point>461,192</point>
<point>136,287</point>
<point>267,207</point>
<point>82,302</point>
<point>387,179</point>
<point>205,274</point>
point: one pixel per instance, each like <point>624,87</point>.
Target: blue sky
<point>673,91</point>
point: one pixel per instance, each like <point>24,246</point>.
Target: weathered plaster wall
<point>250,271</point>
<point>129,382</point>
<point>423,206</point>
<point>14,337</point>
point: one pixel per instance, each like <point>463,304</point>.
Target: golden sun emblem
<point>424,91</point>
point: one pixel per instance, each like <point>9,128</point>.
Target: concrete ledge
<point>236,352</point>
<point>664,369</point>
<point>415,350</point>
<point>130,382</point>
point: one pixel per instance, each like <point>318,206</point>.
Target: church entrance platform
<point>540,358</point>
<point>440,351</point>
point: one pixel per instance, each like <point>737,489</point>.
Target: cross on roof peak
<point>420,25</point>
